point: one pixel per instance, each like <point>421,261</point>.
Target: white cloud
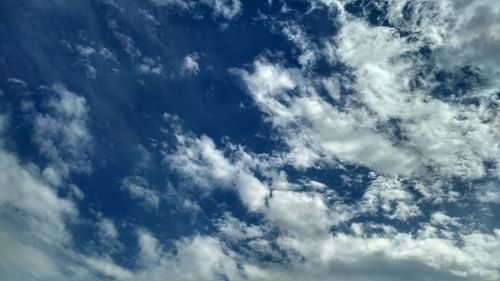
<point>454,138</point>
<point>107,229</point>
<point>62,134</point>
<point>137,189</point>
<point>20,260</point>
<point>448,138</point>
<point>24,190</point>
<point>150,66</point>
<point>301,221</point>
<point>237,230</point>
<point>85,51</point>
<point>196,258</point>
<point>149,17</point>
<point>309,50</point>
<point>304,214</point>
<point>227,9</point>
<point>205,166</point>
<point>314,128</point>
<point>34,237</point>
<point>393,126</point>
<point>391,197</point>
<point>179,3</point>
<point>379,257</point>
<point>150,250</point>
<point>190,64</point>
<point>108,268</point>
<point>461,32</point>
<point>20,83</point>
<point>488,193</point>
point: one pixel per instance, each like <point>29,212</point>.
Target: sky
<point>250,140</point>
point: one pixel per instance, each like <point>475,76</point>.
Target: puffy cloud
<point>237,230</point>
<point>196,258</point>
<point>107,228</point>
<point>391,197</point>
<point>384,115</point>
<point>150,66</point>
<point>389,123</point>
<point>205,166</point>
<point>351,258</point>
<point>225,8</point>
<point>316,130</point>
<point>25,191</point>
<point>488,193</point>
<point>444,135</point>
<point>31,206</point>
<point>62,134</point>
<point>190,64</point>
<point>303,214</point>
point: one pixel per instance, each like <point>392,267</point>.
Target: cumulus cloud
<point>416,154</point>
<point>30,205</point>
<point>390,197</point>
<point>443,134</point>
<point>205,166</point>
<point>225,8</point>
<point>190,64</point>
<point>316,130</point>
<point>62,134</point>
<point>150,66</point>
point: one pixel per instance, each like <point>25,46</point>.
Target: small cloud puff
<point>190,64</point>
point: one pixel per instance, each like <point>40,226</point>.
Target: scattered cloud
<point>137,188</point>
<point>190,64</point>
<point>227,9</point>
<point>371,175</point>
<point>62,134</point>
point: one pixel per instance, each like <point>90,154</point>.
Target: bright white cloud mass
<point>345,140</point>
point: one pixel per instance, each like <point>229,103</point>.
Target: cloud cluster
<point>62,134</point>
<point>378,114</point>
<point>382,114</point>
<point>227,9</point>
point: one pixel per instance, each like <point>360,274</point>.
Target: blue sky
<point>261,140</point>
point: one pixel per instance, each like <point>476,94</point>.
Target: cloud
<point>137,188</point>
<point>443,134</point>
<point>31,206</point>
<point>107,228</point>
<point>309,50</point>
<point>302,214</point>
<point>24,190</point>
<point>196,258</point>
<point>108,268</point>
<point>199,161</point>
<point>387,123</point>
<point>317,131</point>
<point>150,66</point>
<point>488,193</point>
<point>62,134</point>
<point>391,197</point>
<point>190,64</point>
<point>227,9</point>
<point>402,216</point>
